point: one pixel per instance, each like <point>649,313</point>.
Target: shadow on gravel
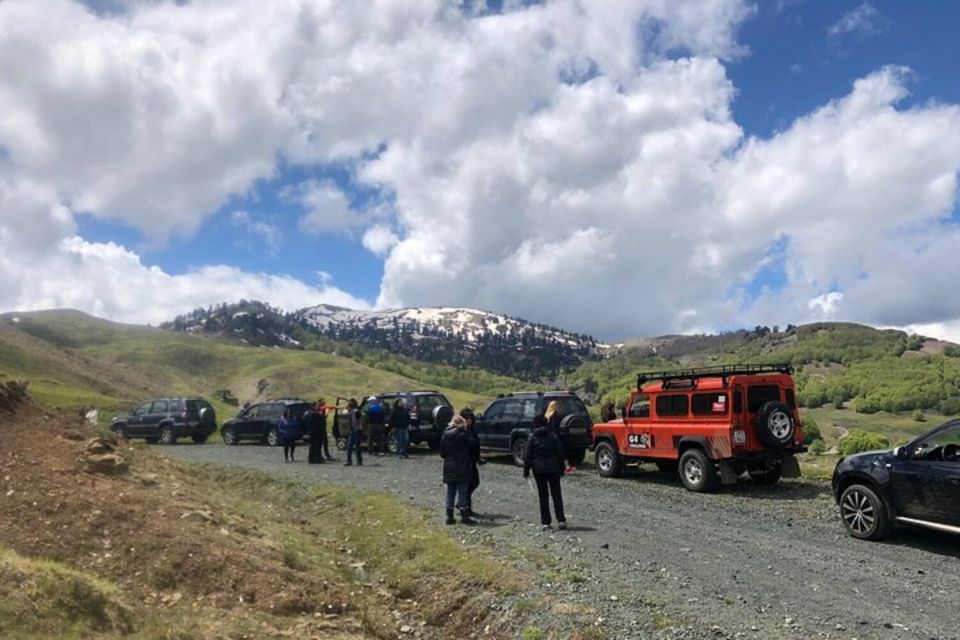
<point>943,544</point>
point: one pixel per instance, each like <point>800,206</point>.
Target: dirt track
<point>645,558</point>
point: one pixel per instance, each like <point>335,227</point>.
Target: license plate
<point>739,437</point>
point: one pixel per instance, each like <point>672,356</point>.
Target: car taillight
<point>414,415</point>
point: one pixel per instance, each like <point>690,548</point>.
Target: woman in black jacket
<point>471,420</point>
<point>544,456</point>
<point>455,449</point>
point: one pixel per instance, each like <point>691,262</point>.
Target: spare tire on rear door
<point>573,422</point>
<point>775,425</point>
<point>442,416</point>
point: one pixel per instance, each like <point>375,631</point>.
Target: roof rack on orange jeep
<point>712,372</point>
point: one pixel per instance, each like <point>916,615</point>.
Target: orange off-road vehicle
<point>711,424</point>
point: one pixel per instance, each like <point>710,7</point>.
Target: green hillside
<point>73,360</point>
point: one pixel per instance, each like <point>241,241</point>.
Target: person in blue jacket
<point>288,430</point>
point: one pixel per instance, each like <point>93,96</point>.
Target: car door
<point>249,424</point>
<point>151,421</point>
<point>269,417</point>
<point>510,419</point>
<point>487,426</point>
<point>135,421</point>
<point>927,486</point>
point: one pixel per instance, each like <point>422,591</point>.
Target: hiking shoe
<point>561,525</point>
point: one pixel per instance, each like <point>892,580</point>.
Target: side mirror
<point>902,453</point>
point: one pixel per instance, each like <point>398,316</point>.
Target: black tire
<point>576,456</point>
<point>609,464</point>
<point>863,513</point>
<point>121,431</point>
<point>697,471</point>
<point>229,435</point>
<point>667,466</point>
<point>775,425</point>
<point>766,476</point>
<point>392,446</point>
<point>273,437</point>
<point>208,418</point>
<point>168,435</point>
<point>341,444</point>
<point>201,439</point>
<point>518,450</point>
<point>573,422</point>
<point>442,415</point>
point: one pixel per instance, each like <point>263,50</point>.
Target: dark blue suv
<point>916,484</point>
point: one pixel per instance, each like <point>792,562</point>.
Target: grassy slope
<point>74,360</point>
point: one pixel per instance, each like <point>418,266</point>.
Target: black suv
<point>166,419</point>
<point>261,421</point>
<point>506,423</point>
<point>916,484</point>
<point>430,412</point>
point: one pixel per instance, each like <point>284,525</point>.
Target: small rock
<point>406,629</point>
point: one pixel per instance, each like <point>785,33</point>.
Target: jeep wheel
<point>863,513</point>
<point>229,435</point>
<point>167,436</point>
<point>775,425</point>
<point>576,456</point>
<point>200,439</point>
<point>519,451</point>
<point>697,471</point>
<point>341,444</point>
<point>121,431</point>
<point>766,476</point>
<point>392,446</point>
<point>273,437</point>
<point>608,460</point>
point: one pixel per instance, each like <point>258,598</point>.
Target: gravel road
<point>644,558</point>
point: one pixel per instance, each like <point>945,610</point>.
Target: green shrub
<point>919,416</point>
<point>950,406</point>
<point>857,441</point>
<point>811,430</point>
<point>817,447</point>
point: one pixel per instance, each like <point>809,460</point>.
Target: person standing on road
<point>376,444</point>
<point>456,453</point>
<point>400,426</point>
<point>315,422</point>
<point>475,460</point>
<point>554,418</point>
<point>353,433</point>
<point>544,456</point>
<point>287,430</point>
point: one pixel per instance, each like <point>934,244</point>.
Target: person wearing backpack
<point>544,456</point>
<point>377,443</point>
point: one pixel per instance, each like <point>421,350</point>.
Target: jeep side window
<point>761,394</point>
<point>709,404</point>
<point>159,406</point>
<point>511,410</point>
<point>640,408</point>
<point>494,411</point>
<point>675,405</point>
<point>142,409</point>
<point>529,409</point>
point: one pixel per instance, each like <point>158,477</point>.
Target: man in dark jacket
<point>376,421</point>
<point>457,455</point>
<point>400,427</point>
<point>315,421</point>
<point>544,455</point>
<point>471,420</point>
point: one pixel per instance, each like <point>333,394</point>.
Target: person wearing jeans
<point>544,456</point>
<point>456,453</point>
<point>400,425</point>
<point>353,434</point>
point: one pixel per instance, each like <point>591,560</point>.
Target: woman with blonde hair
<point>457,454</point>
<point>553,416</point>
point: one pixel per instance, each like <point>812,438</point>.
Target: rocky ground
<point>644,558</point>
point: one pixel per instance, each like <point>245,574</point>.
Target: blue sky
<point>789,160</point>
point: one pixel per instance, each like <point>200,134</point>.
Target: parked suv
<point>917,484</point>
<point>507,422</point>
<point>166,419</point>
<point>430,412</point>
<point>261,421</point>
<point>712,424</point>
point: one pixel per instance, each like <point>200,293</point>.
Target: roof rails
<point>722,371</point>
